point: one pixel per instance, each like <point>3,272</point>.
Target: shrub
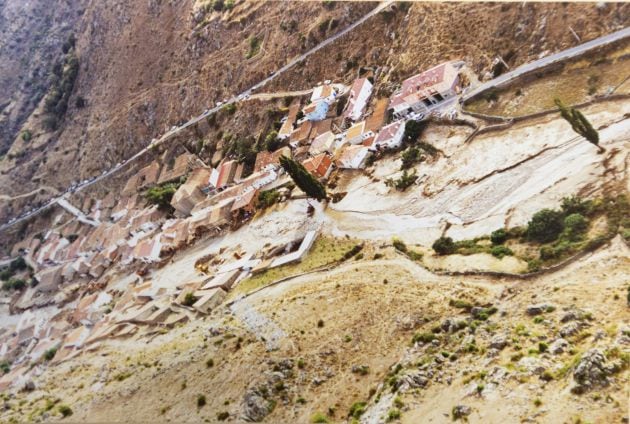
<point>399,245</point>
<point>461,304</point>
<point>161,196</point>
<point>5,274</point>
<point>268,198</point>
<point>393,414</point>
<point>501,251</point>
<point>404,182</point>
<point>575,204</point>
<point>229,108</point>
<point>320,323</point>
<point>65,410</point>
<point>545,226</point>
<point>201,401</point>
<point>423,337</point>
<point>210,363</point>
<point>319,418</point>
<point>444,246</point>
<point>352,252</point>
<point>27,135</point>
<point>357,409</point>
<point>410,157</point>
<point>189,299</point>
<point>498,237</point>
<point>14,284</point>
<point>50,353</point>
<point>413,130</point>
<point>574,225</point>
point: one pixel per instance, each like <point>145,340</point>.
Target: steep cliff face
<point>146,65</point>
<point>31,35</point>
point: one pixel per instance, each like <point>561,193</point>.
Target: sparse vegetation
<point>254,47</point>
<point>319,418</point>
<point>405,180</point>
<point>27,135</point>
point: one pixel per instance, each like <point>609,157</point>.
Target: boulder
<point>461,411</point>
<point>498,342</point>
<point>558,346</point>
<point>255,406</point>
<point>570,329</point>
<point>413,380</point>
<point>533,310</point>
<point>592,370</point>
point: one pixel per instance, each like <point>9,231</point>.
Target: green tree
<point>413,130</point>
<point>580,124</point>
<point>444,246</point>
<point>303,179</point>
<point>545,226</point>
<point>161,196</point>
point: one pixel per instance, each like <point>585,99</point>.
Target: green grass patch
<point>325,251</point>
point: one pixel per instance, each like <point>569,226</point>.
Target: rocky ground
<point>383,335</point>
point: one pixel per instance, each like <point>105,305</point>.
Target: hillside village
<point>209,202</point>
<point>188,241</point>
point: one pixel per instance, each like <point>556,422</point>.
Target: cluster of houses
<point>209,201</point>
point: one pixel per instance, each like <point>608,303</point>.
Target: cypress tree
<point>580,124</point>
<point>303,179</point>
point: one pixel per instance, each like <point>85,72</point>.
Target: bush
<point>189,299</point>
<point>393,414</point>
<point>161,196</point>
<point>501,251</point>
<point>201,401</point>
<point>65,410</point>
<point>545,226</point>
<point>405,181</point>
<point>229,108</point>
<point>574,225</point>
<point>18,264</point>
<point>410,157</point>
<point>14,284</point>
<point>498,237</point>
<point>444,246</point>
<point>423,337</point>
<point>319,418</point>
<point>210,363</point>
<point>460,304</point>
<point>352,252</point>
<point>5,274</point>
<point>27,135</point>
<point>413,130</point>
<point>575,204</point>
<point>50,353</point>
<point>222,416</point>
<point>357,409</point>
<point>399,245</point>
<point>268,198</point>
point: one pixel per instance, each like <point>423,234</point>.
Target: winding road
<point>247,94</point>
<point>546,61</point>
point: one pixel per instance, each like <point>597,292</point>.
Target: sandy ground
<point>501,178</point>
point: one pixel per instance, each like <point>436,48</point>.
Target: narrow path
<point>545,61</point>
